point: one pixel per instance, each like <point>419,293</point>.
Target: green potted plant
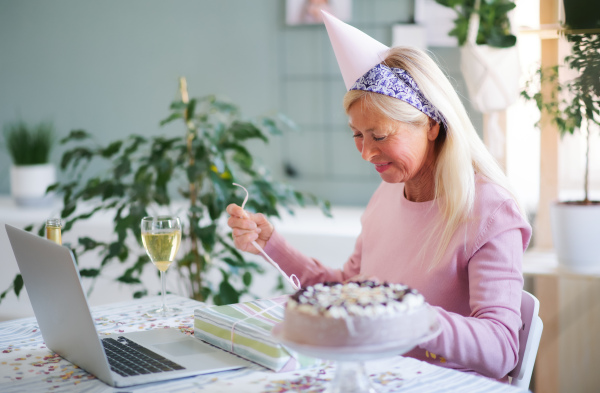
<point>582,15</point>
<point>494,24</point>
<point>489,57</point>
<point>149,173</point>
<point>574,106</point>
<point>31,172</point>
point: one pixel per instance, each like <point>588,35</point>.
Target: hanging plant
<point>494,23</point>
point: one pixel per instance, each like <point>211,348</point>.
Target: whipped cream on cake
<point>355,314</point>
<point>366,298</point>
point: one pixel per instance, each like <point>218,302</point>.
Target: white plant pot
<point>28,184</point>
<point>491,75</point>
<point>576,236</point>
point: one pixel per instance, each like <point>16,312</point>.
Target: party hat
<point>355,51</point>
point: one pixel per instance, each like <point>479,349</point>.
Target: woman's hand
<point>248,227</point>
<point>363,277</point>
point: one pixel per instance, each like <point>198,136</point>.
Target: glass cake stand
<point>350,374</point>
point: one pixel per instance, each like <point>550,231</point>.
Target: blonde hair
<point>460,152</point>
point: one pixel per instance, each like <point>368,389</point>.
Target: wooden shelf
<point>545,263</point>
<point>554,30</point>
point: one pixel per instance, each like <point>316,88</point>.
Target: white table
<point>26,365</point>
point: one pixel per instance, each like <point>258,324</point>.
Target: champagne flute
<point>161,237</point>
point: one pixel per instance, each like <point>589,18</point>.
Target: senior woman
<point>443,221</point>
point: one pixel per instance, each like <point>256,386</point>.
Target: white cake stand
<point>350,374</point>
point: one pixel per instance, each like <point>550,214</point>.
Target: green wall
<point>111,67</point>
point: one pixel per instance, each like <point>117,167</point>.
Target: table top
<point>27,365</point>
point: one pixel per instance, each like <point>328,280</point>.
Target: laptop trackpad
<point>171,341</point>
<point>184,348</point>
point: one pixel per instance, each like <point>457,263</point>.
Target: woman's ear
<point>434,130</point>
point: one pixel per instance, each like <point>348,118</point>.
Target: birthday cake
<point>333,314</point>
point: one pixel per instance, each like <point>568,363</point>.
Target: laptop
<point>125,359</point>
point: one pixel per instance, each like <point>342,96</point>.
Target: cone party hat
<point>355,51</point>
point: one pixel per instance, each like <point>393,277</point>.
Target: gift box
<point>245,330</point>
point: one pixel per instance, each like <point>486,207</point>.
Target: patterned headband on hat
<point>397,83</point>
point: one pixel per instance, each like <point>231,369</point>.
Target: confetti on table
<point>387,378</point>
<point>28,365</point>
<point>306,383</point>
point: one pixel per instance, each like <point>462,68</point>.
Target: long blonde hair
<point>461,153</point>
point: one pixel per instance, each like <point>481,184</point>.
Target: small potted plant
<point>31,172</point>
<point>574,106</point>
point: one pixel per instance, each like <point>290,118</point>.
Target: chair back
<point>529,340</point>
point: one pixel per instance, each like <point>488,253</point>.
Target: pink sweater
<point>476,287</point>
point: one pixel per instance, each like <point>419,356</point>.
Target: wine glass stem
<point>164,290</point>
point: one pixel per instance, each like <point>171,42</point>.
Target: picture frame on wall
<point>307,12</point>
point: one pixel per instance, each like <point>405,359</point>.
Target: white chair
<point>529,340</point>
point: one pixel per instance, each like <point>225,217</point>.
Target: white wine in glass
<point>161,237</point>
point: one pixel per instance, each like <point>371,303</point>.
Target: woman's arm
<point>487,340</point>
<point>248,227</point>
<point>309,270</point>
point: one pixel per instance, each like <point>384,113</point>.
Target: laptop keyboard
<point>127,358</point>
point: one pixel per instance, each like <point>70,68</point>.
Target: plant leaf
<point>75,156</point>
<point>207,235</point>
<point>172,116</point>
<point>88,243</point>
<point>89,272</point>
<point>18,284</point>
<point>245,130</point>
<point>247,278</point>
<point>228,293</point>
<point>75,135</point>
<point>111,149</point>
<point>129,280</point>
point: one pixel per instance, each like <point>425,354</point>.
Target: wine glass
<point>161,237</point>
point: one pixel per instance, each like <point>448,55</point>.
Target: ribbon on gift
<point>253,339</point>
<point>279,304</point>
<point>293,279</point>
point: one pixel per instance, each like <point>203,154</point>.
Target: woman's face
<point>399,151</point>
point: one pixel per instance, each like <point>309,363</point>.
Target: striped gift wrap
<point>250,325</point>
